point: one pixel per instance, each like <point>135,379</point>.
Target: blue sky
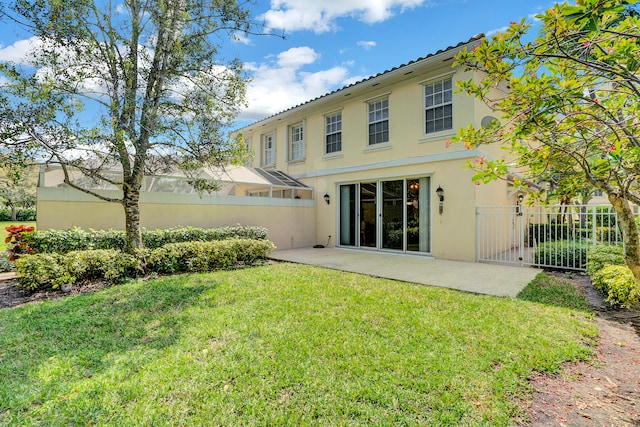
<point>333,43</point>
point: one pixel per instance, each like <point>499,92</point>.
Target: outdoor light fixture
<point>519,205</point>
<point>327,198</point>
<point>440,194</point>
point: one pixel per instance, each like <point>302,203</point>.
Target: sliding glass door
<point>418,206</point>
<point>368,214</point>
<point>387,215</point>
<point>348,215</point>
<point>392,214</point>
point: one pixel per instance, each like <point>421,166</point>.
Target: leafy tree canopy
<point>568,102</point>
<point>138,86</point>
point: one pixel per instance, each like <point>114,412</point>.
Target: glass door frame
<point>359,226</point>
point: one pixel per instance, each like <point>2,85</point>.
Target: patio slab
<point>489,279</point>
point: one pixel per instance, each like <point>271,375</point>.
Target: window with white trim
<point>296,142</point>
<point>268,149</point>
<point>333,134</point>
<point>438,104</point>
<point>379,121</point>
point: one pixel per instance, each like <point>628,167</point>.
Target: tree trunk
<point>133,235</point>
<point>629,233</point>
<point>14,213</point>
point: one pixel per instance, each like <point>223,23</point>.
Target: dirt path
<point>605,393</point>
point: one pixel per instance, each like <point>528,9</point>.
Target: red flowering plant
<point>17,244</point>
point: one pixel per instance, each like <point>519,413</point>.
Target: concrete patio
<point>489,279</point>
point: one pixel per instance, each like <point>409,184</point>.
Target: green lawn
<point>279,345</point>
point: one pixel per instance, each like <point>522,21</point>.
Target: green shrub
<point>63,241</point>
<point>605,216</point>
<point>5,264</point>
<point>562,253</point>
<point>608,235</point>
<point>75,239</point>
<point>206,256</point>
<point>619,285</point>
<point>108,264</point>
<point>601,255</point>
<point>43,271</point>
<point>250,251</point>
<point>21,214</point>
<point>540,233</point>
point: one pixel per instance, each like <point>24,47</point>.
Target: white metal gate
<point>545,236</point>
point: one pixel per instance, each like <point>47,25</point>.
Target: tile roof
<point>471,40</point>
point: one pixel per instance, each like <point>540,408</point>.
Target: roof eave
<point>441,55</point>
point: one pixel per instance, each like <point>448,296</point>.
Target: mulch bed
<point>605,392</point>
<point>13,296</point>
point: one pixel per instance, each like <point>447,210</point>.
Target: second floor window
<point>268,150</point>
<point>438,104</point>
<point>379,121</point>
<point>333,135</point>
<point>296,142</point>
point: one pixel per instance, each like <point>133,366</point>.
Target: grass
<point>279,345</point>
<point>552,291</point>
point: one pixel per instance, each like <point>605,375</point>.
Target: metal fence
<point>544,236</point>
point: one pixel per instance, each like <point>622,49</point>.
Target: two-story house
<point>367,167</point>
<point>378,155</point>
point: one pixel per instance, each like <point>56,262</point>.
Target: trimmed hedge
<point>21,214</point>
<point>618,284</point>
<point>601,255</point>
<point>611,276</point>
<point>541,233</point>
<point>562,253</point>
<point>63,241</point>
<point>52,270</point>
<point>207,256</point>
<point>43,271</point>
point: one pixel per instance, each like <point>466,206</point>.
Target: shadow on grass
<point>551,290</point>
<point>113,332</point>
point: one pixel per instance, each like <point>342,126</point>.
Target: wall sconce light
<point>519,204</point>
<point>327,198</point>
<point>440,194</point>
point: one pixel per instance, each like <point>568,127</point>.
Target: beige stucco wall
<point>410,153</point>
<point>290,222</point>
<point>453,232</point>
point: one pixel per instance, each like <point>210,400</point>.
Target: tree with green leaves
<point>568,102</point>
<point>137,87</point>
<point>18,184</point>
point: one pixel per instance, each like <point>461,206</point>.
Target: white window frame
<point>297,142</point>
<point>378,115</point>
<point>268,149</point>
<point>438,95</point>
<point>333,128</point>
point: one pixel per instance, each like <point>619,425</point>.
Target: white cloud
<point>321,16</point>
<point>19,52</point>
<point>496,31</point>
<point>282,83</point>
<point>366,45</point>
<point>241,38</point>
<point>297,57</point>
